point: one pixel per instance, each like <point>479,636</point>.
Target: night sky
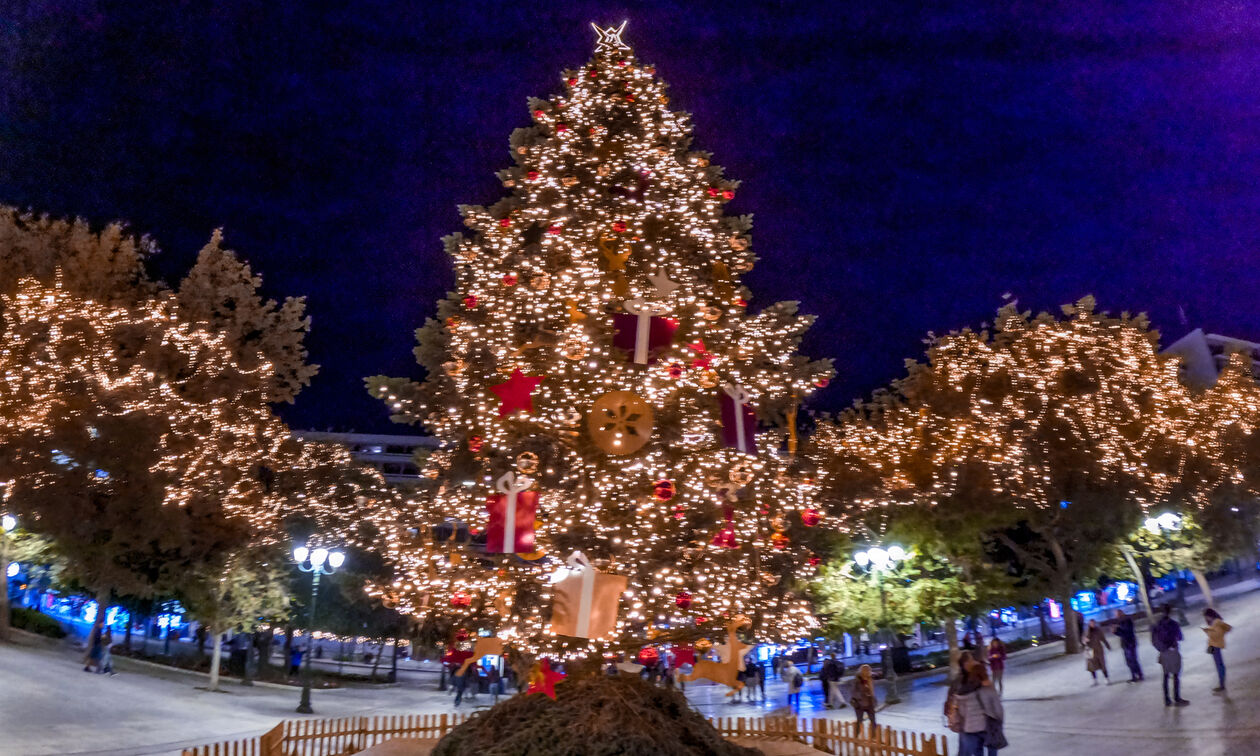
<point>907,167</point>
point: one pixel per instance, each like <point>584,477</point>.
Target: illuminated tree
<point>1045,426</point>
<point>124,442</point>
<point>598,319</point>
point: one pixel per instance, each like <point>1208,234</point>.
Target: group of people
<point>973,707</point>
<point>861,692</point>
<point>1166,637</point>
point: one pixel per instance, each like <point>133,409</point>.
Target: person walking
<point>979,712</point>
<point>1216,630</point>
<point>997,662</point>
<point>1127,634</point>
<point>830,678</point>
<point>752,678</point>
<point>1165,636</point>
<point>1096,639</point>
<point>107,657</point>
<point>794,680</point>
<point>494,681</point>
<point>461,684</point>
<point>92,660</point>
<point>863,697</point>
<point>295,660</point>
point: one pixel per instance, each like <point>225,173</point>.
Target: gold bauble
<point>527,462</point>
<point>573,349</point>
<point>704,646</point>
<point>603,169</point>
<point>707,379</point>
<point>620,422</point>
<point>540,282</point>
<point>710,313</point>
<point>741,473</point>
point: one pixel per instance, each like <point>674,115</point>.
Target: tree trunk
<point>127,634</point>
<point>376,660</point>
<point>951,642</point>
<point>1041,620</point>
<point>393,663</point>
<point>1141,583</point>
<point>214,662</point>
<point>1071,633</point>
<point>1201,579</point>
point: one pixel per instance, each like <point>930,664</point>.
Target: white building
<point>394,455</point>
<point>1204,355</point>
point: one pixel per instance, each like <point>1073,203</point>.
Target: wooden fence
<point>350,735</point>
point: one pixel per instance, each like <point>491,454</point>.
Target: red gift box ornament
<point>512,513</point>
<point>739,422</point>
<point>641,332</point>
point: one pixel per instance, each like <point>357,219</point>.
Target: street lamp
<point>318,561</point>
<point>877,561</point>
<point>7,523</point>
<point>1168,521</point>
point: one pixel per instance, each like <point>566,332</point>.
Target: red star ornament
<point>516,393</point>
<point>543,680</point>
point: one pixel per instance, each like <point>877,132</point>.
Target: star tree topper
<point>516,393</point>
<point>610,38</point>
<point>543,679</point>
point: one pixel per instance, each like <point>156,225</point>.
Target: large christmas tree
<point>599,386</point>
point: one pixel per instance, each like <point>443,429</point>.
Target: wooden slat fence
<point>350,735</point>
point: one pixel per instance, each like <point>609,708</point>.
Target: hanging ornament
<point>510,529</point>
<point>527,462</point>
<point>710,313</point>
<point>516,393</point>
<point>585,600</point>
<point>704,645</point>
<point>461,599</point>
<point>722,287</point>
<point>570,417</point>
<point>779,541</point>
<point>616,258</point>
<point>620,422</point>
<point>509,279</point>
<point>739,422</point>
<point>641,332</point>
<point>725,537</point>
<point>702,360</point>
<point>573,348</point>
<point>738,243</point>
<point>814,560</point>
<point>540,282</point>
<point>741,473</point>
<point>675,370</point>
<point>474,444</point>
<point>453,367</point>
<point>619,226</point>
<point>603,169</point>
<point>470,301</point>
<point>810,517</point>
<point>680,512</point>
<point>569,181</point>
<point>822,382</point>
<point>683,600</point>
<point>707,379</point>
<point>663,490</point>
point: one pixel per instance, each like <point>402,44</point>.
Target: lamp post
<point>318,562</point>
<point>877,561</point>
<point>7,523</point>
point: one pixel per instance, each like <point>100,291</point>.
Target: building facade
<point>1204,355</point>
<point>395,456</point>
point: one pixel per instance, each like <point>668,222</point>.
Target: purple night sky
<point>907,167</point>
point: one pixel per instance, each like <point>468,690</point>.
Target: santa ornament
<point>585,603</point>
<point>739,422</point>
<point>640,330</point>
<point>512,511</point>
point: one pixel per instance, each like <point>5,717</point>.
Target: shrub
<point>35,622</point>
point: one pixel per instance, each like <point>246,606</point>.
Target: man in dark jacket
<point>830,675</point>
<point>1165,636</point>
<point>1128,641</point>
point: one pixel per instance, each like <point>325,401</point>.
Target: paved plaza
<point>49,706</point>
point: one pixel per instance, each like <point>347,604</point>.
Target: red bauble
<point>679,512</point>
<point>470,301</point>
<point>562,127</point>
<point>554,230</point>
<point>593,74</point>
<point>728,195</point>
<point>619,226</point>
<point>713,191</point>
<point>532,175</point>
<point>505,222</point>
<point>629,98</point>
<point>741,302</point>
<point>459,598</point>
<point>461,634</point>
<point>573,81</point>
<point>814,561</point>
<point>810,517</point>
<point>779,541</point>
<point>822,382</point>
<point>683,600</point>
<point>538,114</point>
<point>664,490</point>
<point>509,279</point>
<point>649,655</point>
<point>475,443</point>
<point>675,370</point>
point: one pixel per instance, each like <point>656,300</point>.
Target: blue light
<point>102,474</point>
<point>1064,504</point>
